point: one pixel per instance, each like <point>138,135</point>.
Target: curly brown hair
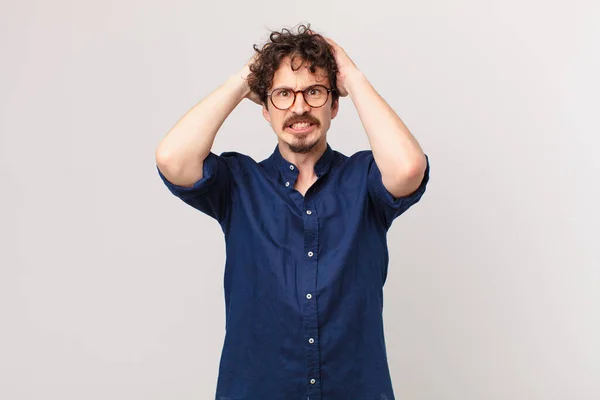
<point>310,47</point>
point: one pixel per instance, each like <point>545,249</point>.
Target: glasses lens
<point>315,96</point>
<point>282,98</point>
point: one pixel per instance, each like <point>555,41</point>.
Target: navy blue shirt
<point>303,276</point>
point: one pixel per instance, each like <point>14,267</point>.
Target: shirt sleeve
<point>389,206</point>
<point>211,194</point>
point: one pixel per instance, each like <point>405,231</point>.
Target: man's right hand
<point>245,72</point>
<point>254,97</point>
<point>181,153</point>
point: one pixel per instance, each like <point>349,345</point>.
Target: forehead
<point>301,78</point>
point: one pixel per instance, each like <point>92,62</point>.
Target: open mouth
<point>301,127</point>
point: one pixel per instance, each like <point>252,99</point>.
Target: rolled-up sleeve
<point>389,206</point>
<point>211,194</point>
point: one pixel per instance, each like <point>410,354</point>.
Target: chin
<point>304,145</point>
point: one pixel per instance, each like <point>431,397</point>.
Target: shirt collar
<point>286,167</point>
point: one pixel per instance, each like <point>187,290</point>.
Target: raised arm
<point>181,153</point>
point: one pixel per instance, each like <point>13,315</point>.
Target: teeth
<point>301,125</point>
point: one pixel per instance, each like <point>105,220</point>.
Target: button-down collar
<point>290,171</point>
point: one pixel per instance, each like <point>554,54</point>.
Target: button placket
<point>311,328</point>
<point>290,177</point>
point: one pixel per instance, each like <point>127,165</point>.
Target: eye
<point>283,93</point>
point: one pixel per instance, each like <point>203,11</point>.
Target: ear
<point>265,113</point>
<point>335,108</point>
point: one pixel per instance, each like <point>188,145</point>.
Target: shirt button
<point>308,212</point>
<point>311,340</point>
<point>287,184</point>
<point>310,253</point>
<point>292,167</point>
<point>312,381</point>
<point>309,296</point>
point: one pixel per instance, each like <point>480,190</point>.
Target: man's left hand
<point>346,67</point>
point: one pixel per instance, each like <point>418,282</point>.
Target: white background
<point>112,288</point>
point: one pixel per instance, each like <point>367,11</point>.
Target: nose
<point>300,106</point>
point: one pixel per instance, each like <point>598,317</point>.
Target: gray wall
<point>111,288</point>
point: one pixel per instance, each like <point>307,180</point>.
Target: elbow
<point>161,156</point>
<point>418,167</point>
<point>414,171</point>
<point>166,161</point>
<point>167,164</point>
<point>184,174</point>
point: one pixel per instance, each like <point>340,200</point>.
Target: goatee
<point>302,147</point>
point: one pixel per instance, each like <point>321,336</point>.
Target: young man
<point>305,229</point>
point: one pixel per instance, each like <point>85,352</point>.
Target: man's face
<point>300,140</point>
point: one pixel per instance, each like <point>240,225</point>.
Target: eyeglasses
<point>315,96</point>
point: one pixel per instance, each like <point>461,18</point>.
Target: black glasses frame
<point>269,95</point>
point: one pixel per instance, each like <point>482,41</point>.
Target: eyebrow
<point>304,88</point>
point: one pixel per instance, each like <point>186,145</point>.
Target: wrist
<point>240,82</point>
<point>354,78</point>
